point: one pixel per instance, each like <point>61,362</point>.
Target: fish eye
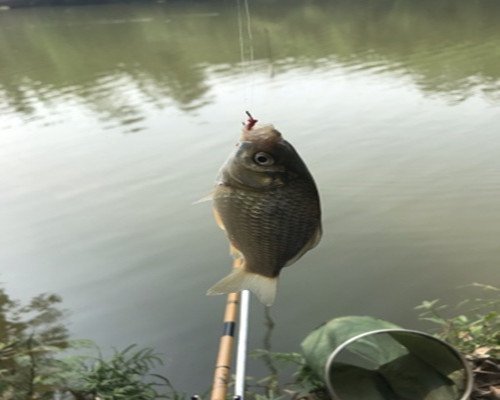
<point>264,159</point>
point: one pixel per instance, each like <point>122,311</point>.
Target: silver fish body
<point>268,204</point>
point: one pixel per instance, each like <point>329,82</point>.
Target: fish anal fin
<point>237,256</point>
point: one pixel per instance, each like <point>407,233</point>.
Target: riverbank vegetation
<point>34,360</point>
<point>472,327</point>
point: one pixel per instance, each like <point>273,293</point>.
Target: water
<point>115,119</point>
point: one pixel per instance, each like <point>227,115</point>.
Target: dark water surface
<point>114,119</point>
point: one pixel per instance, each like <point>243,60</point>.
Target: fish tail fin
<point>262,286</point>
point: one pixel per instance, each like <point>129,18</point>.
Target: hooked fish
<point>266,201</point>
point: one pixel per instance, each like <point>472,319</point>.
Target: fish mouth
<point>261,133</point>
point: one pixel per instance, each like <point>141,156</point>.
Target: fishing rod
<point>241,353</point>
<point>223,364</point>
<point>224,357</point>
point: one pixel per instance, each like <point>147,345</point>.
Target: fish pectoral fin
<point>208,197</point>
<point>262,286</point>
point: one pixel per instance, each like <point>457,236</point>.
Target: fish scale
<point>274,224</point>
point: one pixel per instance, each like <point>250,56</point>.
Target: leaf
<point>436,320</point>
<point>485,287</point>
<point>481,351</point>
<point>427,305</point>
<point>462,319</point>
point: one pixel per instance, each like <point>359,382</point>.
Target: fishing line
<point>246,54</point>
<point>249,30</point>
<point>240,34</point>
<point>266,358</point>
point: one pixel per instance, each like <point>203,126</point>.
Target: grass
<point>474,324</point>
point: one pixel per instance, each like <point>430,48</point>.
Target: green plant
<point>125,375</point>
<point>476,328</point>
<point>306,383</point>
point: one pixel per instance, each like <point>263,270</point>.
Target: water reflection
<point>30,335</point>
<point>119,60</point>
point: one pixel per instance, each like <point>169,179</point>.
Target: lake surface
<point>115,119</point>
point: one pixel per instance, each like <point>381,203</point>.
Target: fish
<point>266,201</point>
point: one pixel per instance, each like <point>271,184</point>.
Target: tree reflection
<point>115,59</point>
<point>30,336</point>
